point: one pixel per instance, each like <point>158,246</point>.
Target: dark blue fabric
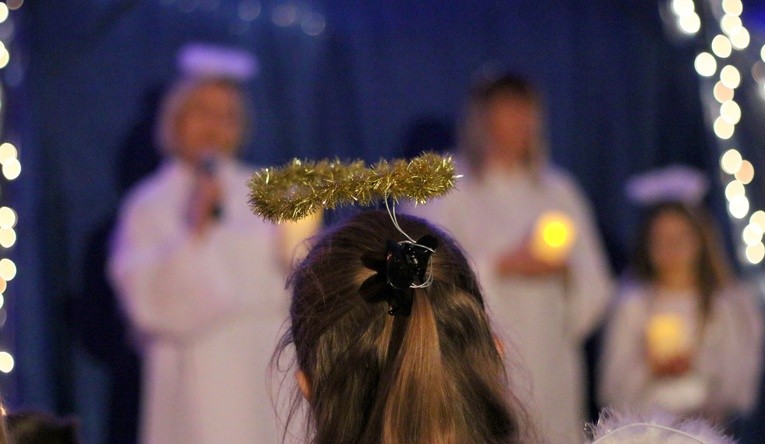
<point>621,98</point>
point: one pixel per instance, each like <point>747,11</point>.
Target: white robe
<point>208,310</point>
<point>544,320</point>
<point>725,373</point>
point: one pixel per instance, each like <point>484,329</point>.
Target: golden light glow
<point>755,253</point>
<point>722,93</point>
<point>11,169</point>
<point>689,24</point>
<point>758,218</point>
<point>732,7</point>
<point>553,237</point>
<point>7,239</point>
<point>731,112</point>
<point>667,336</point>
<point>7,269</point>
<point>739,207</point>
<point>745,174</point>
<point>723,129</point>
<point>6,362</point>
<point>739,37</point>
<point>734,189</point>
<point>729,23</point>
<point>683,7</point>
<point>8,151</point>
<point>3,12</point>
<point>752,234</point>
<point>8,217</point>
<point>721,46</point>
<point>730,76</point>
<point>705,64</point>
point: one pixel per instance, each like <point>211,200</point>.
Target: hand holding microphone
<point>205,206</point>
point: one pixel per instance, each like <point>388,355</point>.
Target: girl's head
<point>433,376</point>
<point>677,239</point>
<point>201,117</point>
<point>504,124</point>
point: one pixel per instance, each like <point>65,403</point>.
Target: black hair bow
<point>405,267</point>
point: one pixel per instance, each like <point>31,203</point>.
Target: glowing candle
<point>553,237</point>
<point>667,336</point>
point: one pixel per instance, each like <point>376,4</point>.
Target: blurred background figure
<point>532,236</point>
<point>685,335</point>
<point>201,278</point>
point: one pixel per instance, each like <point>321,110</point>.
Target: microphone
<point>209,167</point>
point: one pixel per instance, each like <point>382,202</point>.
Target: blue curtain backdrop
<point>622,98</point>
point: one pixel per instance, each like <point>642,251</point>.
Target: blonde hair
<point>473,132</point>
<point>175,100</point>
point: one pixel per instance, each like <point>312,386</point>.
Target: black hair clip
<point>406,266</point>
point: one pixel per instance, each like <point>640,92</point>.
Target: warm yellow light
<point>758,218</point>
<point>755,253</point>
<point>11,169</point>
<point>739,38</point>
<point>730,76</point>
<point>722,93</point>
<point>734,189</point>
<point>723,129</point>
<point>751,234</point>
<point>554,236</point>
<point>3,12</point>
<point>689,24</point>
<point>6,362</point>
<point>7,239</point>
<point>7,269</point>
<point>721,46</point>
<point>705,64</point>
<point>738,207</point>
<point>729,23</point>
<point>667,336</point>
<point>8,217</point>
<point>732,7</point>
<point>745,174</point>
<point>683,7</point>
<point>731,112</point>
<point>8,151</point>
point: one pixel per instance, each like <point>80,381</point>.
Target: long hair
<point>712,271</point>
<point>434,376</point>
<point>473,133</point>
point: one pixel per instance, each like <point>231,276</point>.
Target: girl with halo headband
<point>685,336</point>
<point>536,247</point>
<point>392,340</point>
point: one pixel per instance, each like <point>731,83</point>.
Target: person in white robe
<point>545,296</point>
<point>201,278</point>
<point>684,337</point>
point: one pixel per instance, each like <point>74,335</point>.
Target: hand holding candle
<point>668,344</point>
<point>554,235</point>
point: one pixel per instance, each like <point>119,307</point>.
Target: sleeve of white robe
<point>737,370</point>
<point>624,373</point>
<point>170,283</point>
<point>589,283</point>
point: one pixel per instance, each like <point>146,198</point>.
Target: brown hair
<point>173,104</point>
<point>434,376</point>
<point>712,270</point>
<point>472,133</point>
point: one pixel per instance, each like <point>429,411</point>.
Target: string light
<point>740,171</point>
<point>11,169</point>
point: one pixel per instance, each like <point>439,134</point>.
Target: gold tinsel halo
<point>300,187</point>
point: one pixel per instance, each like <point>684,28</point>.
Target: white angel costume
<point>726,349</point>
<point>546,319</point>
<point>207,309</point>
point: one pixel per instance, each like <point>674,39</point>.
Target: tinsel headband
<point>301,188</point>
